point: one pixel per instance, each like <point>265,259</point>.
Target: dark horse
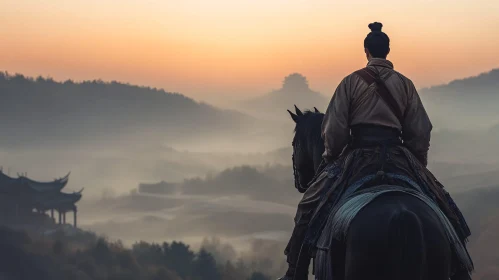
<point>394,237</point>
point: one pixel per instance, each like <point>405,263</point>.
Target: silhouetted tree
<point>148,253</point>
<point>258,276</point>
<point>179,258</point>
<point>102,253</point>
<point>205,267</point>
<point>103,260</point>
<point>230,272</point>
<point>164,274</point>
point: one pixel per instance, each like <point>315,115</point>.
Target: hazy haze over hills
<point>44,112</point>
<point>466,103</point>
<point>295,90</point>
<point>216,172</point>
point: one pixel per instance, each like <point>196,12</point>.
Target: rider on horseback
<point>377,112</point>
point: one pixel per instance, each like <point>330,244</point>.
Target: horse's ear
<point>298,112</point>
<point>293,116</point>
<point>317,111</point>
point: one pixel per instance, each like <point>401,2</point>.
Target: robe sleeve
<point>335,126</point>
<point>416,129</point>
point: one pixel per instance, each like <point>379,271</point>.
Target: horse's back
<point>396,236</point>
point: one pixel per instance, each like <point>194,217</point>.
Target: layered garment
<point>354,103</point>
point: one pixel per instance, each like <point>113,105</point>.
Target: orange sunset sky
<point>233,49</point>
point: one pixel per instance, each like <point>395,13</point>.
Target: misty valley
<point>173,187</point>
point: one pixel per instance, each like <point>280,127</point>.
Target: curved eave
<point>56,185</point>
<point>58,200</point>
<point>47,187</point>
<point>7,181</point>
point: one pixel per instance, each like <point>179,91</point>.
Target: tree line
<point>84,256</point>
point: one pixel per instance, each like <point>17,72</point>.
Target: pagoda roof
<point>41,195</point>
<point>8,183</point>
<point>57,200</point>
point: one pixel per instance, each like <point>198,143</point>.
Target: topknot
<point>375,26</point>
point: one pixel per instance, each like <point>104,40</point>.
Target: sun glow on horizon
<point>242,48</point>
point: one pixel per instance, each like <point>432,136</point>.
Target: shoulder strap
<point>366,75</point>
<point>370,77</point>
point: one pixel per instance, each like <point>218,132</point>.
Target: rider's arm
<point>335,126</point>
<point>417,126</point>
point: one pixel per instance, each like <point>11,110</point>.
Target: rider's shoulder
<point>403,77</point>
<point>354,76</point>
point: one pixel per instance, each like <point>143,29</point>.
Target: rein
<point>296,174</point>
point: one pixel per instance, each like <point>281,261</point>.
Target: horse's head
<point>308,146</point>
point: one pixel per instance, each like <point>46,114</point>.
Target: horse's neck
<point>317,155</point>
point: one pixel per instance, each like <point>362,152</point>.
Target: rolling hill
<point>42,111</point>
<point>464,103</point>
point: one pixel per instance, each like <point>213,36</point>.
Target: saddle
<point>349,175</point>
<point>354,200</point>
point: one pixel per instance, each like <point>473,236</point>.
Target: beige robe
<point>354,102</point>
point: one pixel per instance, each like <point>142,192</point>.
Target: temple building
<point>22,199</point>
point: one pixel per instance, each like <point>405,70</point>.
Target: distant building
<point>295,90</point>
<point>22,198</point>
<point>158,188</point>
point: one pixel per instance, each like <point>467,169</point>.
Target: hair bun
<point>375,26</point>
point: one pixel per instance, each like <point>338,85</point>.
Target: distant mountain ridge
<point>464,103</point>
<point>490,79</point>
<point>43,111</point>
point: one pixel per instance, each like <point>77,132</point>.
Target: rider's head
<point>377,43</point>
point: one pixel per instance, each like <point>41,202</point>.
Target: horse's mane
<point>311,124</point>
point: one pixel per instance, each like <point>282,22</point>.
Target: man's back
<point>356,102</point>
